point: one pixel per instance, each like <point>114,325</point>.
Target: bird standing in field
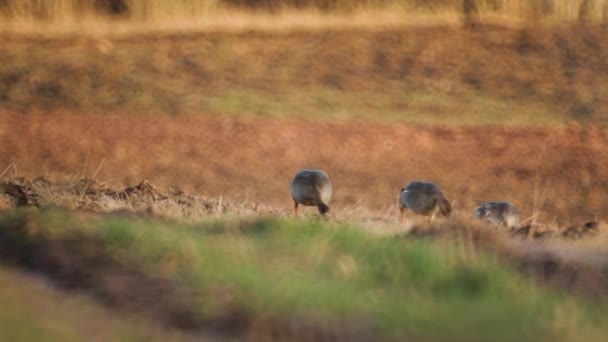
<point>424,198</point>
<point>502,213</point>
<point>311,188</point>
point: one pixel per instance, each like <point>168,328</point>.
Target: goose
<point>311,188</point>
<point>501,213</point>
<point>424,198</point>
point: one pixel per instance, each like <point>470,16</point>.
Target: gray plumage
<point>424,198</point>
<point>502,213</point>
<point>311,188</point>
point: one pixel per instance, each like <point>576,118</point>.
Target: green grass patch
<point>334,275</point>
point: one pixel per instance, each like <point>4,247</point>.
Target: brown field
<point>491,75</point>
<point>489,113</point>
<point>558,171</point>
<point>120,119</point>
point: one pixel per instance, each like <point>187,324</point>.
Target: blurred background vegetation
<point>142,9</point>
<point>549,67</point>
<point>437,62</point>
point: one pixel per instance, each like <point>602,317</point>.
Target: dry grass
<point>247,161</point>
<point>88,195</point>
<point>76,12</point>
<point>144,199</point>
<point>238,21</point>
<point>419,75</point>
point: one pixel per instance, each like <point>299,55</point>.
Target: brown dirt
<point>559,169</point>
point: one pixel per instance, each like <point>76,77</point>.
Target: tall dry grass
<point>145,10</point>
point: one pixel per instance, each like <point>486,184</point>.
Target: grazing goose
<point>424,198</point>
<point>503,213</point>
<point>311,188</point>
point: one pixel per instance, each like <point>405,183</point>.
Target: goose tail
<point>323,208</point>
<point>444,206</point>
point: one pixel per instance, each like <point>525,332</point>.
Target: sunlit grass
<point>469,108</point>
<point>233,21</point>
<point>128,16</point>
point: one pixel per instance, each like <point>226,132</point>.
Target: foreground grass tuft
<point>291,278</point>
<point>34,310</point>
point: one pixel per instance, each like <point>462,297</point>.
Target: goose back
<point>498,212</point>
<point>424,198</point>
<point>311,187</point>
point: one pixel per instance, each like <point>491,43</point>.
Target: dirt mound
<point>95,196</point>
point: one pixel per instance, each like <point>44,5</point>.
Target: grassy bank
<point>294,279</point>
<point>418,75</point>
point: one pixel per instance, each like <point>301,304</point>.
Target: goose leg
<point>295,209</point>
<point>434,214</point>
